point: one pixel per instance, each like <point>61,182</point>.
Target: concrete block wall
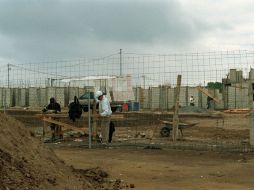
<point>23,97</point>
<point>9,97</point>
<point>33,97</point>
<point>171,97</point>
<point>146,95</point>
<point>163,100</point>
<point>203,100</point>
<point>237,97</point>
<point>43,99</point>
<point>241,98</point>
<point>71,92</point>
<point>231,101</point>
<point>220,97</point>
<point>57,93</point>
<point>233,75</point>
<point>183,99</point>
<point>1,98</point>
<point>154,98</point>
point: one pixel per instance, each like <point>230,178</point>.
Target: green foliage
<point>214,85</point>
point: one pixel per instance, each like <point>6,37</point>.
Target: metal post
<point>120,62</point>
<point>89,123</point>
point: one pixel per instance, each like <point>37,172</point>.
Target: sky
<point>38,29</point>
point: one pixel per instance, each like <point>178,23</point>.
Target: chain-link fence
<point>214,101</point>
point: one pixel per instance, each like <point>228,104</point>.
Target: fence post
<point>175,117</point>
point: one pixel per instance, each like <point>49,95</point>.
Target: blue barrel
<point>133,106</point>
<point>130,107</point>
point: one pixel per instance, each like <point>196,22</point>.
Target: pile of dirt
<point>26,163</point>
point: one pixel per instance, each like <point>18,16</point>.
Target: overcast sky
<point>38,29</point>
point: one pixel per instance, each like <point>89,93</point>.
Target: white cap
<point>98,94</point>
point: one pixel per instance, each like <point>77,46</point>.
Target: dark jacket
<point>53,105</point>
<point>75,109</point>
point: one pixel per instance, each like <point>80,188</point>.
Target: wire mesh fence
<point>215,93</point>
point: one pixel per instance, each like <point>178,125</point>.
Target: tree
<point>214,85</point>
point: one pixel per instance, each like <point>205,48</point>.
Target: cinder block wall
<point>162,98</point>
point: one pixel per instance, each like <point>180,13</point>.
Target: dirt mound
<point>26,163</point>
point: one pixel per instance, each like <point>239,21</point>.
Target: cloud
<point>31,29</point>
<point>72,28</point>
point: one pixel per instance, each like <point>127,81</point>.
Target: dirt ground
<point>168,169</point>
<point>160,168</point>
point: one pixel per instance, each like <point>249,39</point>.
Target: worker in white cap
<point>104,116</point>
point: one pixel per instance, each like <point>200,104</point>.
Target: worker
<point>111,131</point>
<point>54,107</point>
<point>209,102</point>
<point>104,116</point>
<point>75,109</point>
<point>192,101</point>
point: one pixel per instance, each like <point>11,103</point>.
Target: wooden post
<point>175,117</point>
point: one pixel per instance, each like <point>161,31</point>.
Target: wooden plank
<point>203,90</point>
<point>243,110</point>
<point>113,116</point>
<point>66,126</point>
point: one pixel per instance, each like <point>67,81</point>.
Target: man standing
<point>54,107</point>
<point>209,102</point>
<point>192,101</point>
<point>75,109</point>
<point>104,116</point>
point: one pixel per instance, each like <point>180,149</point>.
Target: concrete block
<point>233,75</point>
<point>183,99</point>
<point>147,100</point>
<point>155,96</point>
<point>23,97</point>
<point>171,98</point>
<point>163,100</point>
<point>43,99</point>
<point>17,96</point>
<point>1,97</point>
<point>33,97</point>
<point>231,97</point>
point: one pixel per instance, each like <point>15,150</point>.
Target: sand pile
<point>26,163</point>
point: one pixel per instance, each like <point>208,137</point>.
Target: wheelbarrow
<point>168,126</point>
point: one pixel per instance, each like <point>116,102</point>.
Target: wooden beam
<point>65,125</point>
<point>63,115</point>
<point>205,91</point>
<point>176,111</point>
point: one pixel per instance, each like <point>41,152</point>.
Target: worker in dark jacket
<point>54,107</point>
<point>209,102</point>
<point>75,109</point>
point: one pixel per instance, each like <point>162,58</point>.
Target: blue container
<point>133,106</point>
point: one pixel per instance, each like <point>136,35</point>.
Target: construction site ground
<point>168,169</point>
<point>134,158</point>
